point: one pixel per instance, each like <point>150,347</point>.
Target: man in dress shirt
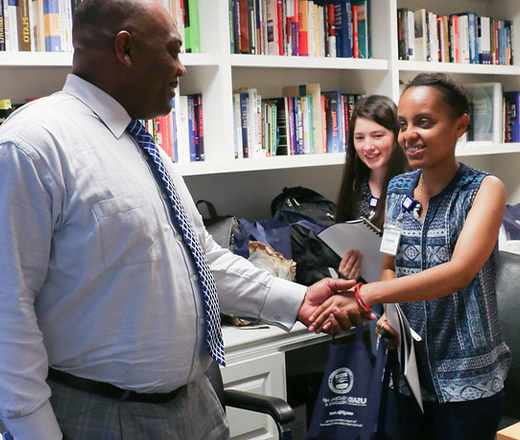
<point>96,279</point>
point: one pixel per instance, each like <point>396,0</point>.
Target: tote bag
<point>350,396</point>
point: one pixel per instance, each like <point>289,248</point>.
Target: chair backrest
<point>508,294</point>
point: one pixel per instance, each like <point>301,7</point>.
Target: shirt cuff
<point>41,425</point>
<point>283,303</point>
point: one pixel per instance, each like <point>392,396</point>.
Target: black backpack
<point>308,212</point>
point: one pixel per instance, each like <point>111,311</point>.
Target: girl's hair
<point>454,94</point>
<point>383,111</point>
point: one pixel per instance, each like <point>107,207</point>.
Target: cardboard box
<point>510,433</point>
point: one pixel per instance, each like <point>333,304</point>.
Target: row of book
<point>181,133</point>
<point>46,25</point>
<point>465,37</point>
<point>322,28</point>
<point>303,121</point>
<point>36,25</point>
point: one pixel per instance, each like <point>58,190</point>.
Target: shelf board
<point>268,163</point>
<point>35,59</point>
<point>64,59</point>
<point>426,66</point>
<point>486,148</point>
<point>292,62</point>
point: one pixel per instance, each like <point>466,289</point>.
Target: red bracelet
<point>361,303</point>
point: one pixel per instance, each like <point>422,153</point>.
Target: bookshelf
<point>215,73</point>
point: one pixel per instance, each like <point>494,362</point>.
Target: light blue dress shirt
<point>95,278</point>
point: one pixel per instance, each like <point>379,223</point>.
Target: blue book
<point>334,121</point>
<point>515,126</point>
<point>192,128</point>
<point>52,27</point>
<point>344,28</point>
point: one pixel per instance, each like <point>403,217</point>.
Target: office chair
<point>508,295</point>
<point>280,411</point>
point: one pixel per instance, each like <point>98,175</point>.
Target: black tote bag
<point>350,396</point>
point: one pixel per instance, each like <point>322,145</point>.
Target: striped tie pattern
<point>207,282</point>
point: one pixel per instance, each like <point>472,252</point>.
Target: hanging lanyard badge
<point>392,232</point>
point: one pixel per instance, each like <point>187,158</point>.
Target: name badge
<point>390,240</point>
<point>409,204</point>
<point>373,202</point>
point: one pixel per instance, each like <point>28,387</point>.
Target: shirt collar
<point>109,111</point>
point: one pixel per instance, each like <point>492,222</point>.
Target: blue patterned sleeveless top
<point>467,356</point>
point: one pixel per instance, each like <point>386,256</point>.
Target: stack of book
<point>465,37</point>
<point>322,28</point>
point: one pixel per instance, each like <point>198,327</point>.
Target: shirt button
<point>165,196</point>
<point>179,237</point>
<point>195,277</point>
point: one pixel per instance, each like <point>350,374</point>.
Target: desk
<point>257,361</point>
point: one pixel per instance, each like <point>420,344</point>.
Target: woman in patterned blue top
<point>443,269</point>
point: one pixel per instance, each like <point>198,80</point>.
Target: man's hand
<point>317,294</point>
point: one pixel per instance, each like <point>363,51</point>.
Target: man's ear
<point>122,46</point>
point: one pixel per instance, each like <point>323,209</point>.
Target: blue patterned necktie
<point>207,282</point>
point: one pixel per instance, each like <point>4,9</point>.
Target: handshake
<point>333,305</point>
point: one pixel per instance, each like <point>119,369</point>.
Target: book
<point>421,35</point>
<point>183,140</point>
<point>192,26</point>
<point>484,40</point>
<point>2,28</point>
<point>24,25</point>
<point>199,127</point>
<point>402,33</point>
<point>303,28</point>
<point>37,22</point>
<point>444,38</point>
<point>163,134</point>
<point>514,98</point>
<point>292,26</point>
<point>11,25</point>
<point>272,28</point>
<point>330,25</point>
<point>52,26</point>
<point>463,27</point>
<point>361,235</point>
<point>66,25</point>
<point>362,23</point>
<point>344,28</point>
<point>334,121</point>
<point>486,103</point>
<point>433,37</point>
<point>192,129</point>
<point>238,147</point>
<point>454,38</point>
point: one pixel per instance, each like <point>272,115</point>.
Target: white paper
<point>358,235</point>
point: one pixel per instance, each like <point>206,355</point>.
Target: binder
<point>358,234</point>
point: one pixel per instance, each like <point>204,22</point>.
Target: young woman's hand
<point>350,265</point>
<point>383,330</point>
